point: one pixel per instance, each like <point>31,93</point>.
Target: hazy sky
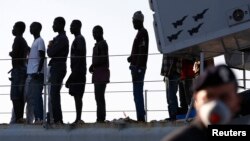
<point>115,16</point>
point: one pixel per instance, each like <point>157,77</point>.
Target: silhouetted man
<point>18,54</point>
<point>100,71</point>
<point>138,63</point>
<point>171,71</point>
<point>58,50</point>
<point>35,72</point>
<point>77,78</point>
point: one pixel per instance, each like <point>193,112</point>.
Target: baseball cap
<point>215,76</point>
<point>138,16</point>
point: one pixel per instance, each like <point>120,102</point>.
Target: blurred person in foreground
<point>216,102</point>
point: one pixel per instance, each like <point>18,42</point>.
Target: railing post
<point>146,105</point>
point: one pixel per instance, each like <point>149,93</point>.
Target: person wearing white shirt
<point>35,72</point>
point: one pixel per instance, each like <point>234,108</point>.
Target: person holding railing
<point>58,50</point>
<point>100,72</point>
<point>138,63</point>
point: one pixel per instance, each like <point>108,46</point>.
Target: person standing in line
<point>35,71</point>
<point>19,53</point>
<point>58,50</point>
<point>185,85</point>
<point>170,70</point>
<point>216,103</point>
<point>77,79</point>
<point>138,63</point>
<point>100,71</point>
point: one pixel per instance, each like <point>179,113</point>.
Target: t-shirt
<point>78,55</point>
<point>139,54</point>
<point>19,52</point>
<point>34,56</point>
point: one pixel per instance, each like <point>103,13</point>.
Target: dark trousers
<point>18,77</point>
<point>57,75</point>
<point>171,89</point>
<point>100,101</point>
<point>35,90</point>
<point>185,93</point>
<point>18,106</point>
<point>138,82</point>
<point>78,105</point>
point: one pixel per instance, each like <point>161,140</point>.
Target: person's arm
<point>102,55</point>
<point>91,69</point>
<point>15,48</point>
<point>57,46</point>
<point>42,57</point>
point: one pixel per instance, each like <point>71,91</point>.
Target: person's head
<point>98,32</point>
<point>138,19</point>
<point>216,84</point>
<point>18,28</point>
<point>75,26</point>
<point>59,24</point>
<point>35,28</point>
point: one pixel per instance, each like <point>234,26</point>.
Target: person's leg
<point>36,91</point>
<point>13,93</point>
<point>138,81</point>
<point>188,89</point>
<point>18,109</point>
<point>78,105</point>
<point>171,96</point>
<point>13,117</point>
<point>77,90</point>
<point>15,109</point>
<point>100,101</point>
<point>18,77</point>
<point>28,100</point>
<point>182,97</point>
<point>56,79</point>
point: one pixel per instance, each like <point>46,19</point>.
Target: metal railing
<point>146,92</point>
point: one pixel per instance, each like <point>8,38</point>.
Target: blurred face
<point>225,93</point>
<point>32,29</point>
<point>73,28</point>
<point>96,34</point>
<point>55,26</point>
<point>14,30</point>
<point>135,24</point>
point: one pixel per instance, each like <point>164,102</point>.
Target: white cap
<point>138,16</point>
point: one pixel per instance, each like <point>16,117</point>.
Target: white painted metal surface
<point>214,27</point>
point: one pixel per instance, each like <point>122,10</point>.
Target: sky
<point>115,16</point>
